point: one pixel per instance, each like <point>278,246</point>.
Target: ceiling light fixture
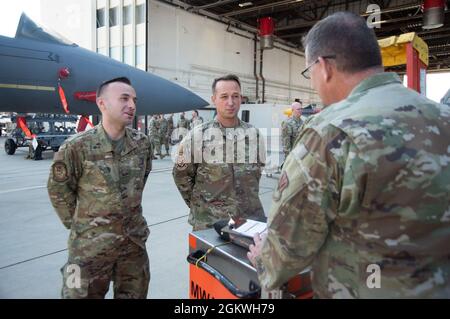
<point>433,14</point>
<point>245,4</point>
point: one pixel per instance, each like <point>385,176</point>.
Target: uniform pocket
<point>213,181</point>
<point>94,176</point>
<point>132,174</point>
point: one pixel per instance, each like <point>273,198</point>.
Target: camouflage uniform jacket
<point>289,132</point>
<point>163,127</point>
<point>367,184</point>
<point>221,189</point>
<point>97,194</point>
<point>154,126</point>
<point>183,122</point>
<point>197,121</point>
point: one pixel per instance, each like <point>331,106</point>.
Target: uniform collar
<point>105,142</point>
<point>297,119</point>
<point>375,81</point>
<point>129,143</point>
<point>229,134</point>
<point>219,125</point>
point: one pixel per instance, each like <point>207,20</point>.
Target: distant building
<point>115,28</point>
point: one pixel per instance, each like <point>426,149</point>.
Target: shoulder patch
<point>282,184</point>
<point>180,162</point>
<point>60,172</point>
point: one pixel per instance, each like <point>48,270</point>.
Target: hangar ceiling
<point>293,19</point>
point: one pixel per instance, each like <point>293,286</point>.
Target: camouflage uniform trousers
<point>127,266</point>
<point>169,137</point>
<point>156,143</point>
<point>165,142</point>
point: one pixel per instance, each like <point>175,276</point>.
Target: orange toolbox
<point>221,270</point>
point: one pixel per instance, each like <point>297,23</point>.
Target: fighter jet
<point>42,73</point>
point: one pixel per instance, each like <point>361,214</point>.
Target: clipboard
<point>241,234</point>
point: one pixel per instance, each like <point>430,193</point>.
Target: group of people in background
<point>290,128</point>
<point>161,128</point>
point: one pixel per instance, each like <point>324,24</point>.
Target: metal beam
<point>435,36</point>
<point>293,35</point>
<point>364,14</point>
<point>302,14</point>
<point>426,32</point>
<point>395,9</point>
<point>325,10</point>
<point>309,24</point>
<point>229,21</point>
<point>213,16</point>
<point>214,4</point>
<point>261,7</point>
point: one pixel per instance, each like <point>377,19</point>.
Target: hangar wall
<point>192,50</point>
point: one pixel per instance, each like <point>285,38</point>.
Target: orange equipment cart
<point>221,270</point>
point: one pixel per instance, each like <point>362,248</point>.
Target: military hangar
<point>287,22</point>
<point>293,19</point>
<point>189,43</point>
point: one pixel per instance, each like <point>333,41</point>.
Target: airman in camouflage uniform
<point>364,195</point>
<point>164,134</point>
<point>183,122</point>
<point>196,120</point>
<point>95,186</point>
<point>170,128</point>
<point>227,186</point>
<point>154,134</point>
<point>291,127</point>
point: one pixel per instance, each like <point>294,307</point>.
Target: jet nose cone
<point>157,95</point>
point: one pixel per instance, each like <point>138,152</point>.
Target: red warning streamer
<point>86,96</point>
<point>83,122</point>
<point>62,97</point>
<point>22,123</point>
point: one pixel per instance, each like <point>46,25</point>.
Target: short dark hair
<point>196,112</point>
<point>346,36</point>
<point>228,77</point>
<point>102,86</point>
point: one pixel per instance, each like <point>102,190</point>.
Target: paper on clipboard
<point>251,227</point>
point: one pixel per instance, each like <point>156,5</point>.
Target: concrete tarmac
<point>33,240</point>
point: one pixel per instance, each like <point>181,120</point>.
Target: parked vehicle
<point>40,133</point>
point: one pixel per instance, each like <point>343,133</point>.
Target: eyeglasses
<point>306,73</point>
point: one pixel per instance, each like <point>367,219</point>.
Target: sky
<point>10,13</point>
<point>437,84</point>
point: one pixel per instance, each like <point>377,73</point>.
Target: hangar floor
<point>33,240</point>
